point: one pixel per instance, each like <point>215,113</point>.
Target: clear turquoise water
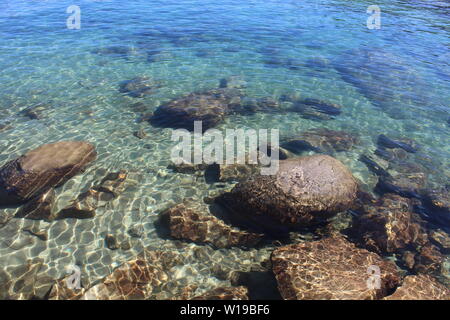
<point>268,43</point>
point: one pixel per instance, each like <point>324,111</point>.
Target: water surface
<point>312,50</point>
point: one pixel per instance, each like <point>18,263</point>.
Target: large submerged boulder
<point>331,268</point>
<point>210,107</point>
<point>194,222</point>
<point>305,191</point>
<point>389,225</point>
<point>140,278</point>
<point>39,170</point>
<point>137,279</point>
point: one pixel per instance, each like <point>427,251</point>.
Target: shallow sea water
<point>270,44</point>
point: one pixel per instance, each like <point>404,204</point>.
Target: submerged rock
<point>331,268</point>
<point>251,166</point>
<point>233,82</point>
<point>39,208</point>
<point>111,242</point>
<point>41,234</point>
<point>305,191</point>
<point>389,225</point>
<point>5,126</point>
<point>35,112</point>
<point>210,107</point>
<point>86,204</point>
<point>43,168</point>
<point>126,245</point>
<point>82,208</point>
<point>407,181</point>
<point>392,155</point>
<point>428,260</point>
<point>311,106</point>
<point>424,260</point>
<point>136,279</point>
<point>312,114</point>
<point>252,106</point>
<point>140,134</point>
<point>438,204</point>
<point>420,287</point>
<point>442,239</point>
<point>237,172</point>
<point>136,232</point>
<point>283,153</point>
<point>385,142</point>
<point>392,83</point>
<point>117,51</point>
<point>321,140</point>
<point>404,178</point>
<point>193,222</point>
<point>294,64</point>
<point>378,168</point>
<point>225,293</point>
<point>139,87</point>
<point>187,167</point>
<point>318,63</point>
<point>61,291</point>
<point>275,60</point>
<point>408,259</point>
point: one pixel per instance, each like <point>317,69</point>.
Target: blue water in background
<point>189,46</point>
